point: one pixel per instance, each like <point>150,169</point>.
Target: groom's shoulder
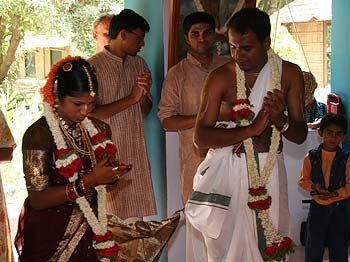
<point>290,68</point>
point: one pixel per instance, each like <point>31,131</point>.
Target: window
<point>29,64</point>
<point>55,56</point>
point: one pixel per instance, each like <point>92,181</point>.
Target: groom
<point>249,39</point>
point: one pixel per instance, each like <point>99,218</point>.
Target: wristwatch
<point>285,126</point>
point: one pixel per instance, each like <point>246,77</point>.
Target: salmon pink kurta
<point>181,94</point>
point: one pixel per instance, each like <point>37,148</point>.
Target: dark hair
<point>128,20</point>
<point>334,119</point>
<point>195,18</point>
<point>251,19</point>
<point>100,19</point>
<point>75,77</point>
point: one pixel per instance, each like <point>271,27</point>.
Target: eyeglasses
<point>139,37</point>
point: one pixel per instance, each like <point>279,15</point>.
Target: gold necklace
<point>72,143</point>
<point>86,138</point>
<point>73,132</point>
<point>70,137</point>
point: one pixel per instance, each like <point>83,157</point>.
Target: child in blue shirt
<point>326,175</point>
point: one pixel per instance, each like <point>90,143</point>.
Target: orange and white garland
<point>277,246</point>
<point>103,241</point>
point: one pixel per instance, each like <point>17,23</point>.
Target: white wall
<point>293,156</point>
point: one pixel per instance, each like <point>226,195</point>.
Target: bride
<point>68,160</point>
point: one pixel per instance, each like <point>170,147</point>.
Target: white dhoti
<point>218,207</point>
<point>230,230</point>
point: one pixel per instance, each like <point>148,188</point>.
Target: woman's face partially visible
<point>73,109</point>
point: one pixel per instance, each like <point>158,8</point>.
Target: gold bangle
<point>68,192</point>
<point>75,190</point>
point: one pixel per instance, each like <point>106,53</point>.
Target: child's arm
<point>305,175</point>
<point>305,181</point>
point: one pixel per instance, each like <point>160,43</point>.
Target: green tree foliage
<point>66,18</point>
<point>271,6</point>
<point>17,17</point>
<point>70,18</point>
<point>20,110</point>
<point>80,15</point>
<point>285,46</point>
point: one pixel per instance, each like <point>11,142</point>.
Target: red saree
<point>60,233</point>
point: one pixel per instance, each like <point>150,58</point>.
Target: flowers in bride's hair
<point>241,112</point>
<point>47,89</point>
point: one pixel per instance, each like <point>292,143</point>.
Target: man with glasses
<point>181,91</point>
<point>124,83</point>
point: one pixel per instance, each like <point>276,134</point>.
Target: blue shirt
<point>314,111</point>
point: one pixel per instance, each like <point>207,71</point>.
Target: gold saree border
<point>74,232</point>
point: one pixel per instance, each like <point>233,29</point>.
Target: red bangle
<point>70,192</point>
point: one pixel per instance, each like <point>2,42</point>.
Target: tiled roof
<point>304,11</point>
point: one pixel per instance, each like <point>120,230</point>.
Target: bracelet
<point>71,192</point>
<point>75,190</point>
<point>285,126</point>
<point>78,188</point>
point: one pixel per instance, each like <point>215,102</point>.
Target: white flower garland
<point>98,225</point>
<point>104,245</point>
<point>271,233</point>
